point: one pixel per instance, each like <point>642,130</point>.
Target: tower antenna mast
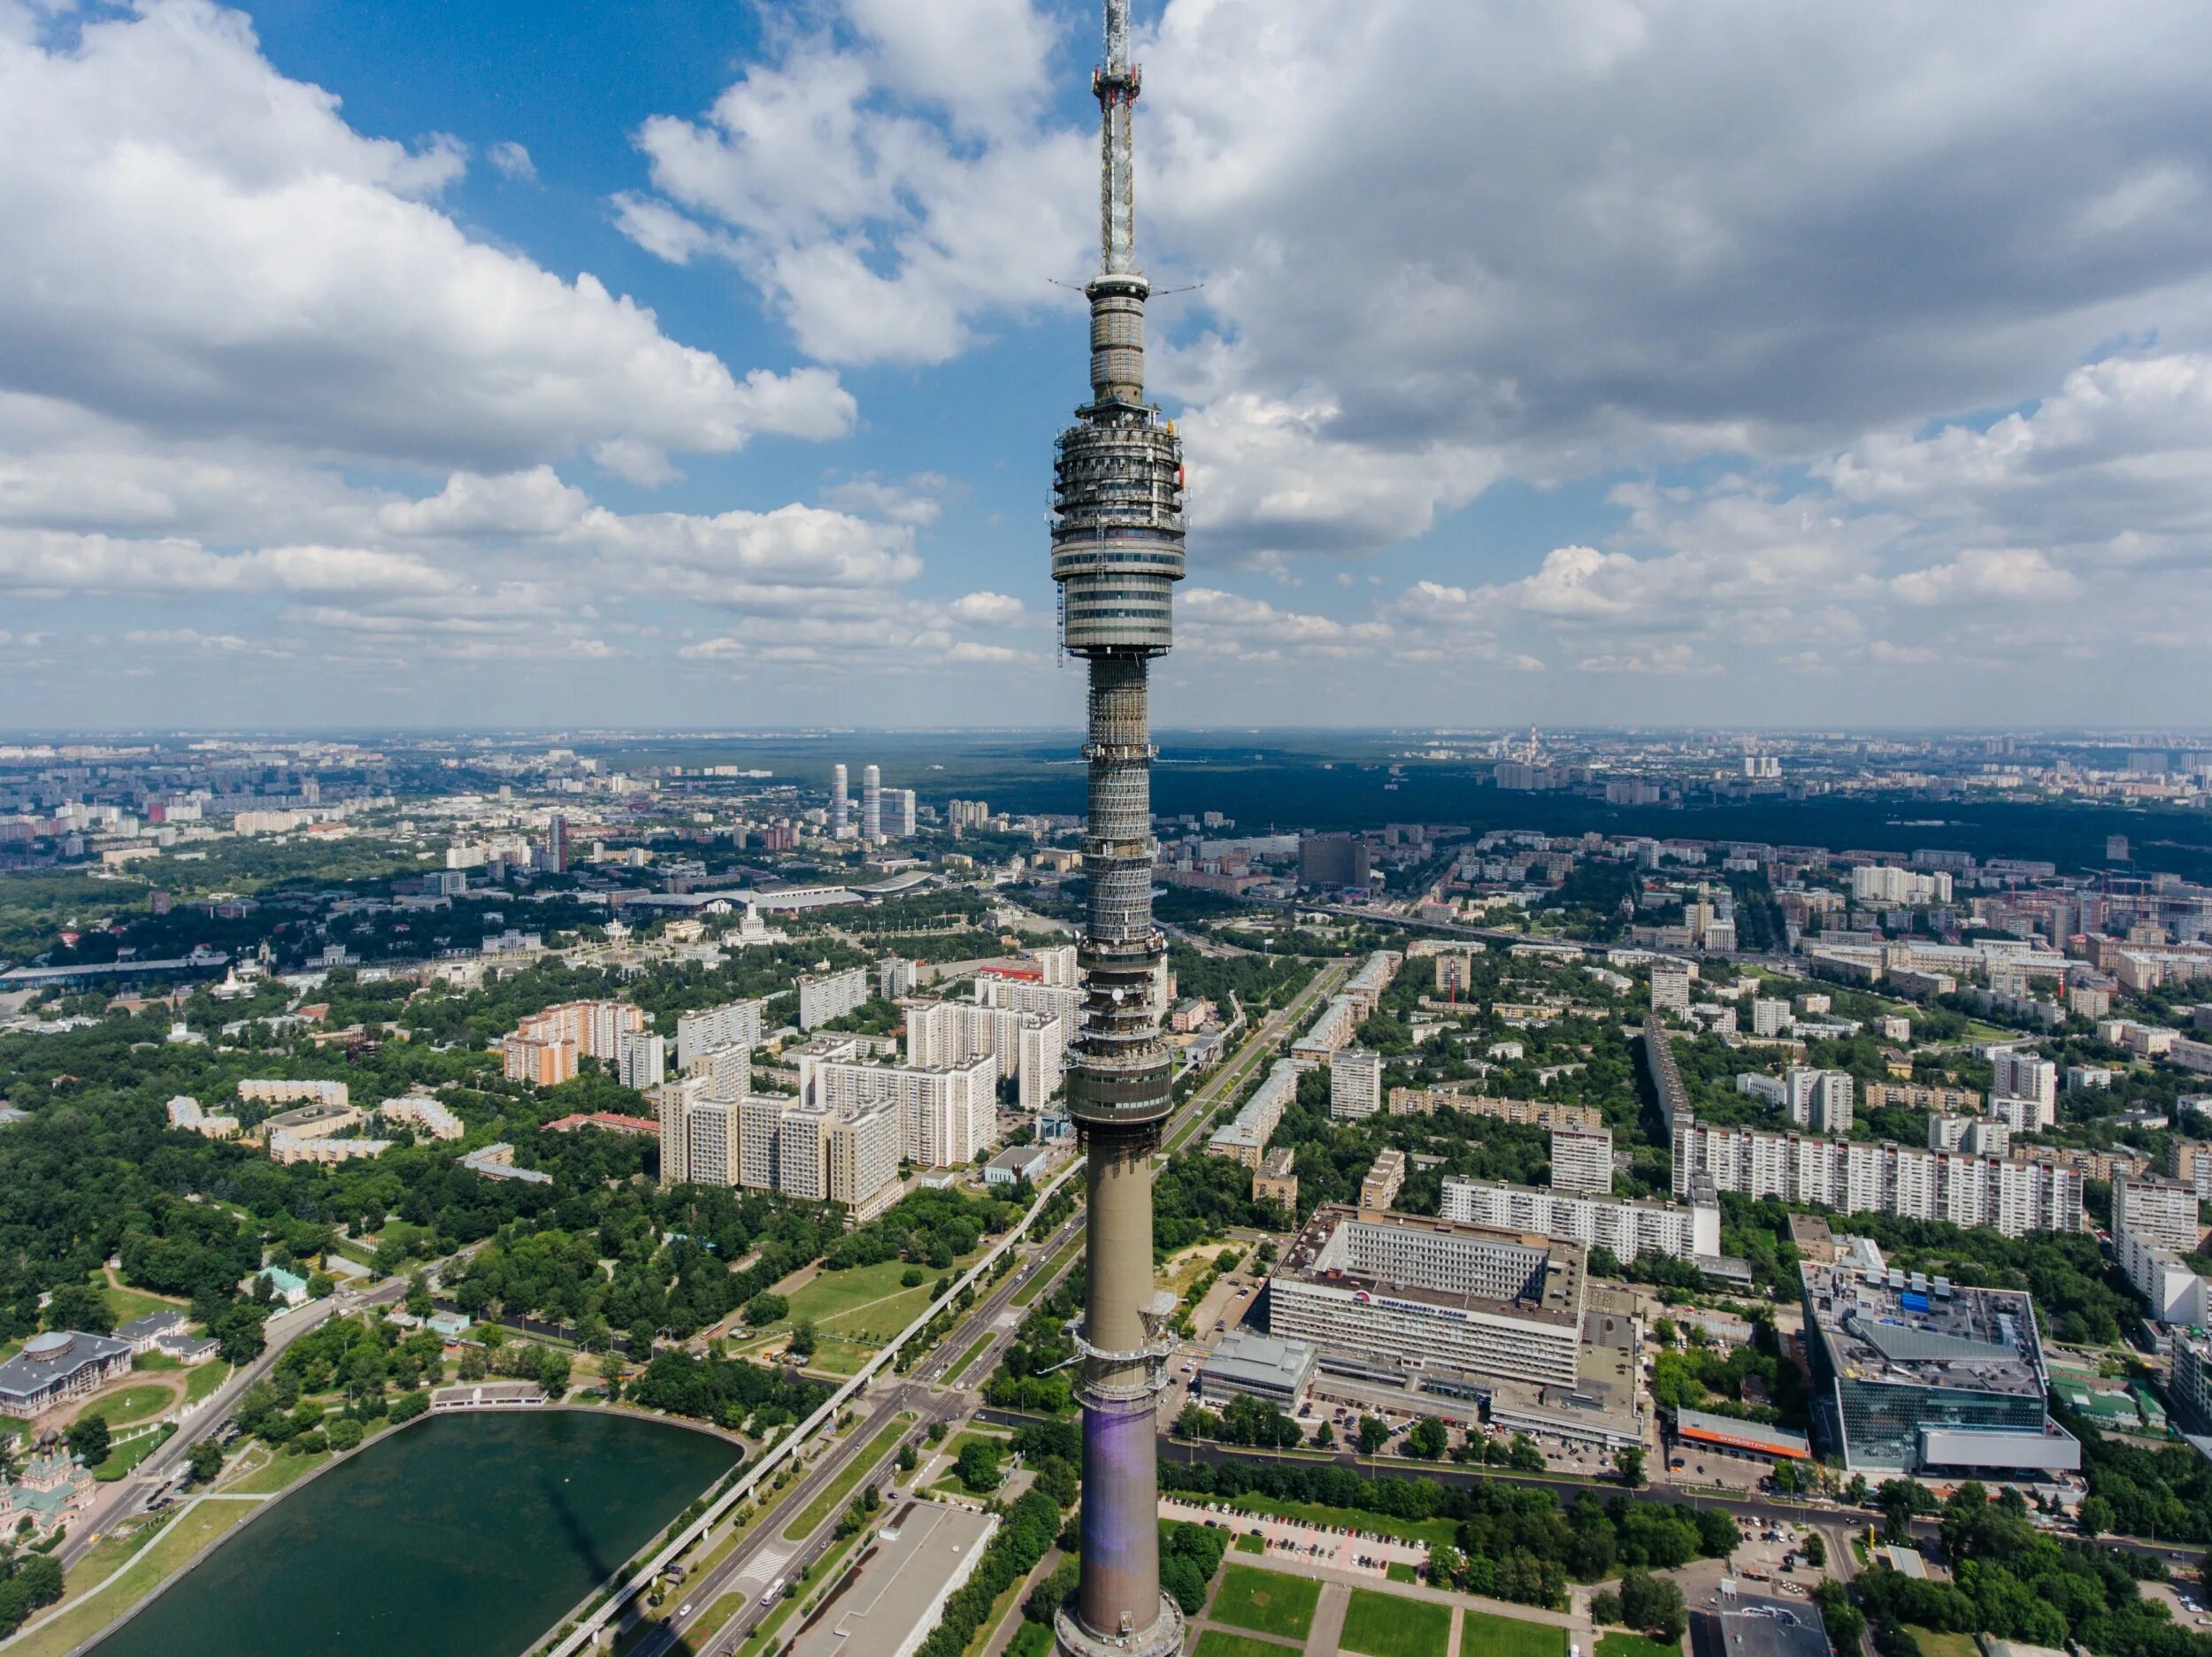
<point>1117,553</point>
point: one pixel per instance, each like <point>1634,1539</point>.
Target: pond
<point>465,1535</point>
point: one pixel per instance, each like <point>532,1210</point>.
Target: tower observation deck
<point>1117,553</point>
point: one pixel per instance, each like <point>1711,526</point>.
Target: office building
<point>1355,1084</point>
<point>1430,1305</point>
<point>832,994</point>
<point>556,858</point>
<point>1628,1226</point>
<point>1247,1364</point>
<point>1928,1378</point>
<point>1582,1161</point>
<point>2014,1194</point>
<point>1338,861</point>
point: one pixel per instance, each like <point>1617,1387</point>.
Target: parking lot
<point>1294,1539</point>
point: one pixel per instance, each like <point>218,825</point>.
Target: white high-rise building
<point>1819,1100</point>
<point>841,805</point>
<point>738,1023</point>
<point>1627,1226</point>
<point>904,815</point>
<point>802,1151</point>
<point>2162,1211</point>
<point>1884,885</point>
<point>2025,1077</point>
<point>871,806</point>
<point>759,1124</point>
<point>1582,1161</point>
<point>1356,1083</point>
<point>640,1059</point>
<point>1030,1047</point>
<point>1770,1016</point>
<point>946,1113</point>
<point>832,994</point>
<point>1671,986</point>
<point>2016,1195</point>
<point>863,1157</point>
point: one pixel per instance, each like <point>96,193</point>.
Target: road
<point>765,1556</point>
<point>123,1498</point>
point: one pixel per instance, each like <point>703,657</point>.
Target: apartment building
<point>1628,1226</point>
<point>1354,1083</point>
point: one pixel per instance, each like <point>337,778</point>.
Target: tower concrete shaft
<point>1117,553</point>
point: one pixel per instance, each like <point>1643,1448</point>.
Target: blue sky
<point>697,364</point>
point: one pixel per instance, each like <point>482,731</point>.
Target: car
<point>683,1610</point>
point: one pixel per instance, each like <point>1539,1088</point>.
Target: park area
<point>1266,1602</point>
<point>1386,1625</point>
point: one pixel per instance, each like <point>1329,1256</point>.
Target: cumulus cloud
<point>310,291</point>
<point>2004,575</point>
<point>996,608</point>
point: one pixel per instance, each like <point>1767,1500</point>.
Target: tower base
<point>1164,1638</point>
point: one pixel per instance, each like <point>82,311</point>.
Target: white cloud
<point>994,609</point>
<point>200,246</point>
<point>513,161</point>
<point>919,500</point>
<point>1984,574</point>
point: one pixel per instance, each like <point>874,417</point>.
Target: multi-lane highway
<point>766,1556</point>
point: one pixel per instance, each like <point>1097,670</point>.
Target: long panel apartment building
<point>2016,1195</point>
<point>1627,1225</point>
<point>1426,1101</point>
<point>1244,1139</point>
<point>1430,1305</point>
<point>948,1114</point>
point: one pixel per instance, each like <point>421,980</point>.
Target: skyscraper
<point>841,806</point>
<point>871,805</point>
<point>1116,552</point>
<point>556,858</point>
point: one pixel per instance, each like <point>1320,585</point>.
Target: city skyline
<point>1906,427</point>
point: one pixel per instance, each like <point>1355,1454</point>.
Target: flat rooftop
<point>1754,1626</point>
<point>1310,1258</point>
<point>890,1602</point>
<point>1894,1328</point>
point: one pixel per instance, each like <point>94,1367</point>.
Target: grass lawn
<point>69,1626</point>
<point>1482,1634</point>
<point>1386,1625</point>
<point>281,1473</point>
<point>1423,1530</point>
<point>1033,1640</point>
<point>124,1457</point>
<point>204,1379</point>
<point>132,1404</point>
<point>1220,1643</point>
<point>842,1487</point>
<point>130,1304</point>
<point>1247,1544</point>
<point>1265,1601</point>
<point>1399,1571</point>
<point>1618,1643</point>
<point>1932,1644</point>
<point>838,1358</point>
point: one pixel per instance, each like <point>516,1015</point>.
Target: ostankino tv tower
<point>1117,553</point>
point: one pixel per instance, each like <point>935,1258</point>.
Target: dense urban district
<point>1729,1180</point>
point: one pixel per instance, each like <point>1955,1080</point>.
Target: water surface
<point>465,1535</point>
